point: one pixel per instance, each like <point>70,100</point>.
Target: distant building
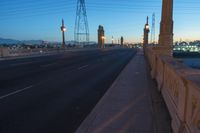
<point>101,37</point>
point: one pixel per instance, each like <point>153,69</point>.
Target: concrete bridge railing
<point>8,52</point>
<point>180,88</point>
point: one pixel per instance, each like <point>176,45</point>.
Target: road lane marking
<point>83,67</point>
<point>47,65</point>
<point>15,92</point>
<point>19,64</point>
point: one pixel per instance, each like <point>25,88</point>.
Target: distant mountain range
<point>33,42</point>
<point>12,41</point>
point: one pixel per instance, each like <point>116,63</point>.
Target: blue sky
<point>31,19</point>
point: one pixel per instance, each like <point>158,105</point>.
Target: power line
<point>41,7</point>
<point>153,34</point>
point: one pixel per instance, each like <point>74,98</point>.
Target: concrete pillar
<point>101,37</point>
<point>1,51</point>
<point>4,51</point>
<point>146,33</point>
<point>166,27</point>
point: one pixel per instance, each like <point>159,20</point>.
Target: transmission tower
<point>153,34</point>
<point>81,31</point>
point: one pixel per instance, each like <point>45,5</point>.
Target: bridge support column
<point>1,51</point>
<point>166,28</point>
<point>101,37</point>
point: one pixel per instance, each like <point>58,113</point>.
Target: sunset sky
<point>31,19</point>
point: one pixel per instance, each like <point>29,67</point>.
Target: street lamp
<point>146,33</point>
<point>63,29</point>
<point>147,27</point>
<point>112,39</point>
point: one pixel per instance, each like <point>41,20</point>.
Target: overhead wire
<point>29,8</point>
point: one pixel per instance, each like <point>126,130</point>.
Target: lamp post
<point>112,40</point>
<point>122,41</point>
<point>63,29</point>
<point>146,33</point>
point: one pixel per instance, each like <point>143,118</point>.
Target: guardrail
<point>180,88</point>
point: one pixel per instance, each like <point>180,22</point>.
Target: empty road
<point>54,93</point>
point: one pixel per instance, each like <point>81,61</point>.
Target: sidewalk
<point>131,105</point>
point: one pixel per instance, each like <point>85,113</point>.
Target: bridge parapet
<point>23,52</point>
<point>180,88</point>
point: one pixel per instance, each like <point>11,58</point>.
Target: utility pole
<point>153,33</point>
<point>63,29</point>
<point>81,31</point>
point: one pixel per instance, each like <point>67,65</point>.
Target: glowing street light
<point>147,27</point>
<point>146,33</point>
<point>63,29</point>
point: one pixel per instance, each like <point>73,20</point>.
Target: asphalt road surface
<point>55,93</point>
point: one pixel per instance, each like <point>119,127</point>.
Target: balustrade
<point>180,88</point>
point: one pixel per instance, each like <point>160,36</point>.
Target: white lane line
<point>15,92</point>
<point>19,64</point>
<point>83,67</point>
<point>47,65</point>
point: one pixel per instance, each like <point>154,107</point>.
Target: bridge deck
<point>131,105</point>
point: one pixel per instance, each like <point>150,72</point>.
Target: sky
<point>33,20</point>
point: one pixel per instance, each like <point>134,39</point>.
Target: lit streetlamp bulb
<point>147,27</point>
<point>63,29</point>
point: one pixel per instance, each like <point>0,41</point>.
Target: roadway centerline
<point>83,67</point>
<point>19,64</point>
<point>15,92</point>
<point>47,65</point>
